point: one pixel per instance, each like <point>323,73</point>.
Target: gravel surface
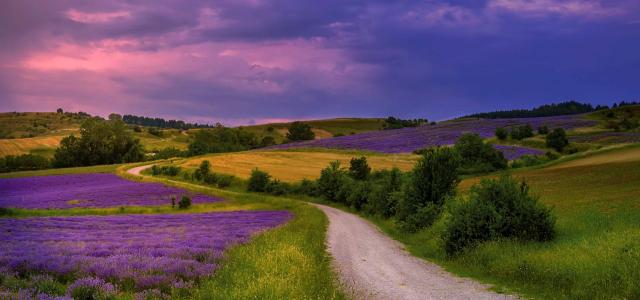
<point>373,266</point>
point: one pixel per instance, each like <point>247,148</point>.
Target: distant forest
<point>162,123</point>
<point>563,108</point>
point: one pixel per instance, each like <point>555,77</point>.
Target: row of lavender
<point>87,190</point>
<point>140,252</point>
<point>445,133</point>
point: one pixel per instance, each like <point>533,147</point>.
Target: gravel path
<point>136,171</point>
<point>373,266</point>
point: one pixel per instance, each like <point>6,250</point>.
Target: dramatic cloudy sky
<point>244,61</point>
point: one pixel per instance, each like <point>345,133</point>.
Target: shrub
<point>385,193</point>
<point>527,161</point>
<point>277,187</point>
<point>224,180</point>
<point>299,131</point>
<point>155,131</point>
<point>359,168</point>
<point>331,180</point>
<point>434,178</point>
<point>173,201</point>
<point>267,141</point>
<point>522,132</point>
<point>498,208</point>
<point>307,187</point>
<point>258,181</point>
<point>185,202</point>
<point>91,289</point>
<point>477,156</point>
<point>24,162</point>
<point>543,130</point>
<point>557,139</point>
<point>339,134</point>
<point>502,133</point>
<point>169,153</point>
<point>202,171</point>
<point>358,194</point>
<point>137,128</point>
<point>210,178</point>
<point>155,170</point>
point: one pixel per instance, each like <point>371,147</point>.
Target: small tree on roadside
<point>299,131</point>
<point>359,168</point>
<point>331,180</point>
<point>557,139</point>
<point>434,178</point>
<point>258,181</point>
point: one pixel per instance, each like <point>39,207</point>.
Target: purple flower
<point>87,190</point>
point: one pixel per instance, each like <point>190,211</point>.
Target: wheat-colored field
<point>26,145</point>
<point>292,166</point>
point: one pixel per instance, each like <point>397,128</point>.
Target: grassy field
<point>32,124</point>
<point>322,128</point>
<point>596,254</point>
<point>288,262</point>
<point>45,144</point>
<point>292,166</point>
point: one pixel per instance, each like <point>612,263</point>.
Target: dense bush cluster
<point>299,131</point>
<point>563,108</point>
<point>397,123</point>
<point>25,162</point>
<point>100,143</point>
<point>498,208</point>
<point>476,156</point>
<point>521,132</point>
<point>165,170</point>
<point>162,123</point>
<point>557,139</point>
<point>222,139</point>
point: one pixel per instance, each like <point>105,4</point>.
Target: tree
<point>434,178</point>
<point>359,168</point>
<point>557,139</point>
<point>268,141</point>
<point>299,131</point>
<point>258,181</point>
<point>114,117</point>
<point>100,142</point>
<point>543,129</point>
<point>222,139</point>
<point>331,180</point>
<point>477,156</point>
<point>60,111</point>
<point>501,133</point>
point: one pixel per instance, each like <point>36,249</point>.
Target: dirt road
<point>373,266</point>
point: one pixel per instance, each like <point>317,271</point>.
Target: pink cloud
<point>94,18</point>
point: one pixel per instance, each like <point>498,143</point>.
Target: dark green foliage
<point>224,180</point>
<point>521,132</point>
<point>543,130</point>
<point>267,141</point>
<point>528,161</point>
<point>185,202</point>
<point>173,201</point>
<point>299,131</point>
<point>385,192</point>
<point>170,152</point>
<point>258,181</point>
<point>165,170</point>
<point>434,179</point>
<point>137,129</point>
<point>23,162</point>
<point>563,108</point>
<point>203,171</point>
<point>397,123</point>
<point>161,123</point>
<point>339,134</point>
<point>557,139</point>
<point>114,116</point>
<point>359,168</point>
<point>222,139</point>
<point>502,133</point>
<point>307,187</point>
<point>277,187</point>
<point>358,194</point>
<point>476,156</point>
<point>154,131</point>
<point>498,208</point>
<point>331,180</point>
<point>100,142</point>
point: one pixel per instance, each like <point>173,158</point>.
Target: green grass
<point>322,128</point>
<point>596,254</point>
<point>288,262</point>
<point>77,170</point>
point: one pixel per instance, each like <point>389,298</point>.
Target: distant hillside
<point>547,110</point>
<point>322,128</point>
<point>34,124</point>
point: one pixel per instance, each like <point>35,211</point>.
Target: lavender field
<point>87,190</point>
<point>446,133</point>
<point>138,252</point>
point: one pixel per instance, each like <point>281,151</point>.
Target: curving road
<point>374,266</point>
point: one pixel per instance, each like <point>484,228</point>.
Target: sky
<point>254,61</point>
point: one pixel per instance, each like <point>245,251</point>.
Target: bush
<point>522,132</point>
<point>91,289</point>
<point>557,139</point>
<point>358,194</point>
<point>154,131</point>
<point>202,171</point>
<point>258,181</point>
<point>277,187</point>
<point>331,180</point>
<point>527,161</point>
<point>434,178</point>
<point>185,202</point>
<point>543,130</point>
<point>24,162</point>
<point>137,128</point>
<point>498,208</point>
<point>476,156</point>
<point>299,131</point>
<point>267,141</point>
<point>224,180</point>
<point>307,187</point>
<point>222,139</point>
<point>169,153</point>
<point>359,168</point>
<point>501,133</point>
<point>385,193</point>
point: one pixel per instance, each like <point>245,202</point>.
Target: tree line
<point>162,123</point>
<point>547,110</point>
